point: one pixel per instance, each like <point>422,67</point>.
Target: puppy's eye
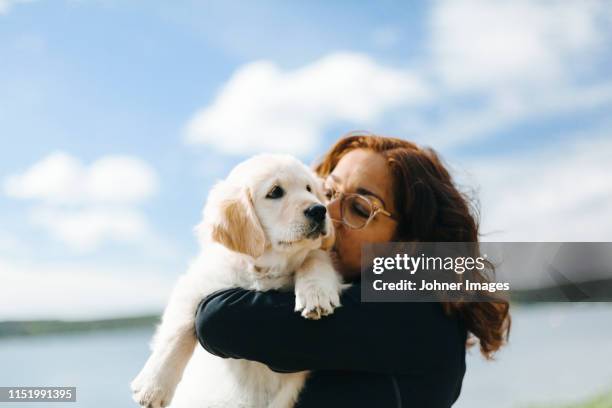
<point>276,192</point>
<point>308,188</point>
<point>329,193</point>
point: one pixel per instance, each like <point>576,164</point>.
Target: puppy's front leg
<point>317,286</point>
<point>172,346</point>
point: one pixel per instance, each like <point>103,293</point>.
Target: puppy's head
<point>268,203</point>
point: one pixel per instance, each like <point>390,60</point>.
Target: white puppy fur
<point>257,237</point>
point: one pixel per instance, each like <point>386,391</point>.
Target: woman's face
<point>362,172</point>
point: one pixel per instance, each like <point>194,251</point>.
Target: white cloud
<point>513,61</point>
<point>86,229</point>
<point>263,107</point>
<point>62,179</point>
<point>84,206</point>
<point>6,5</point>
<point>459,125</point>
<point>562,193</point>
<point>9,243</point>
<point>478,43</point>
<point>33,290</point>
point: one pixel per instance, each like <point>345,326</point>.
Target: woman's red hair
<point>431,209</point>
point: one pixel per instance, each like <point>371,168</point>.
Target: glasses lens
<point>356,211</point>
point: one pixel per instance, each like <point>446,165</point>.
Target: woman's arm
<point>375,337</point>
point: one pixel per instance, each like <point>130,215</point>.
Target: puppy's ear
<point>230,219</point>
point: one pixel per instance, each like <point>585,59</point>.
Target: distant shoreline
<point>23,328</point>
<point>596,291</point>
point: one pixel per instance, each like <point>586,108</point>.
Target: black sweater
<point>363,355</point>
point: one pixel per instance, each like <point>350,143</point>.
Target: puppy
<point>264,227</point>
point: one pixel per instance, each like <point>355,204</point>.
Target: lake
<point>557,353</point>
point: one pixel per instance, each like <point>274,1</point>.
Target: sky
<point>117,117</point>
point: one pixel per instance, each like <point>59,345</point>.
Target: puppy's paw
<point>314,301</point>
<point>151,391</point>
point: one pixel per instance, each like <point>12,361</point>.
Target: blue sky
<point>116,117</point>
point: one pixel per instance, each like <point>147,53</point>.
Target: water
<point>100,364</point>
<point>557,353</point>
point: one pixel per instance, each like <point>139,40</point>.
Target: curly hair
<point>431,209</point>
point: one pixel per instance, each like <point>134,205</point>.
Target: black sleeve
<point>374,337</point>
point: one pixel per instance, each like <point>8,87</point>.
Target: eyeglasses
<point>356,210</point>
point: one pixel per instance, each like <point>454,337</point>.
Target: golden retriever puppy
<point>264,227</point>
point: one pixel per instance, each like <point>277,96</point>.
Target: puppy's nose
<point>315,212</point>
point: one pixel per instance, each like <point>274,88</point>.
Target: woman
<point>368,354</point>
